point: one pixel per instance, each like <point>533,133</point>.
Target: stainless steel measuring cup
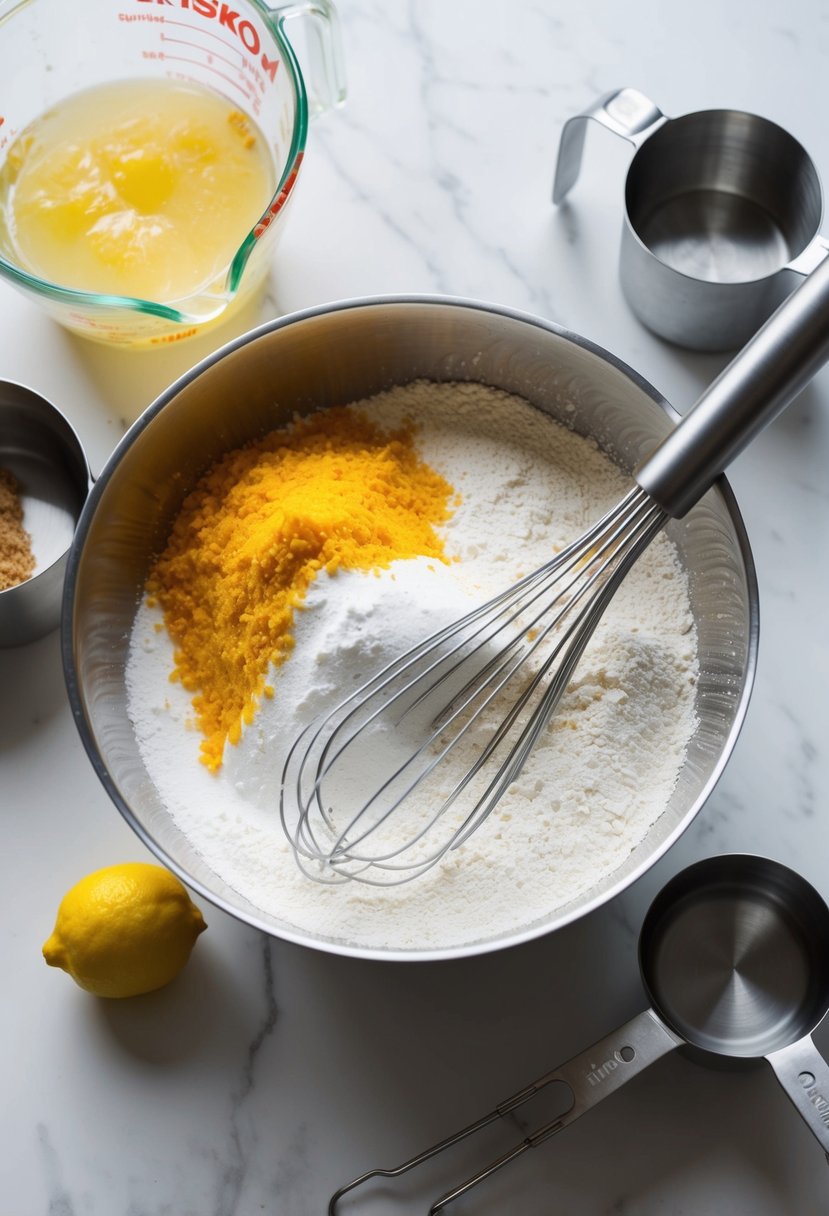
<point>734,956</point>
<point>722,216</point>
<point>42,451</point>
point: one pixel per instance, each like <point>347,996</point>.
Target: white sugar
<point>601,774</point>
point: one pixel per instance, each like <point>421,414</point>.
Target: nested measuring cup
<point>50,49</point>
<point>734,956</point>
<point>722,216</point>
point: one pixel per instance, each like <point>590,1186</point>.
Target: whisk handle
<point>749,393</point>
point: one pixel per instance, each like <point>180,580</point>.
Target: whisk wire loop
<point>546,618</point>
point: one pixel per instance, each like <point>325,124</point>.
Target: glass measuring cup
<point>50,50</point>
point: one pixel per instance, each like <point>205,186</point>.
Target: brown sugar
<point>17,562</point>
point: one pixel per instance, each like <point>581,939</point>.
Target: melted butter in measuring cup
<point>142,188</point>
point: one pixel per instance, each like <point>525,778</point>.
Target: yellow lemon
<point>124,930</point>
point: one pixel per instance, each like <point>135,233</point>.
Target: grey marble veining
<point>267,1075</point>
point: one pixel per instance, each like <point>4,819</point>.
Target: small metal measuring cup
<point>42,451</point>
<point>722,216</point>
<point>734,955</point>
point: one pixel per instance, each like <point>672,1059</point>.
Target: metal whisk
<point>406,768</point>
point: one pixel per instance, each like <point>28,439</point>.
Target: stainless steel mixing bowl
<point>337,354</point>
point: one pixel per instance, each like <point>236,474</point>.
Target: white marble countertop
<point>269,1074</point>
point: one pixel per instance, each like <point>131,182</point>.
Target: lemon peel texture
<point>124,930</point>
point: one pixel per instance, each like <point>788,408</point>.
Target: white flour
<point>597,780</point>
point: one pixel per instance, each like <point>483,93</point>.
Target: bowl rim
<point>293,934</point>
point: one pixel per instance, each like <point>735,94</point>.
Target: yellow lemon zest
<point>331,491</point>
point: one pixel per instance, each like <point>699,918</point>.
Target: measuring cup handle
<point>589,1077</point>
<point>811,257</point>
<point>592,1075</point>
<point>609,1064</point>
<point>804,1075</point>
<point>625,112</point>
<point>325,70</point>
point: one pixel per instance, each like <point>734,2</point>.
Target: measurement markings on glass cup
<point>212,59</point>
<point>250,76</point>
<point>8,134</point>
